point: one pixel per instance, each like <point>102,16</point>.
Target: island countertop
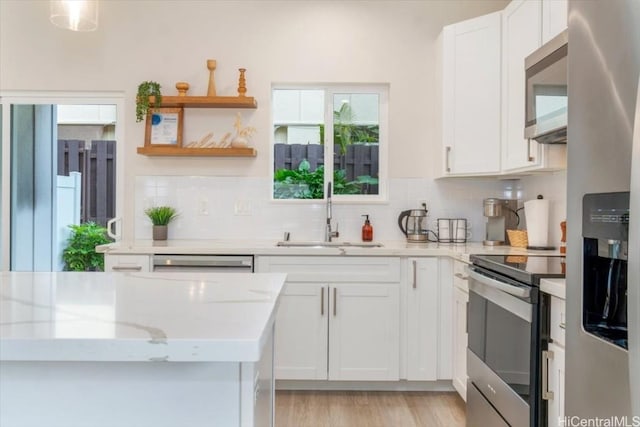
<point>129,317</point>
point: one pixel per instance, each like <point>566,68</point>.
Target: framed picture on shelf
<point>164,127</point>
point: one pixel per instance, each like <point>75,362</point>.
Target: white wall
<point>263,219</point>
<point>277,41</point>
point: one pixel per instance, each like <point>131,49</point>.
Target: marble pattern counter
<point>269,247</point>
<point>135,349</point>
<point>184,317</point>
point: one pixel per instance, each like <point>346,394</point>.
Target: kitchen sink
<point>321,244</point>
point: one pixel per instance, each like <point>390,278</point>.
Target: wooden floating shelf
<point>206,101</point>
<point>188,151</point>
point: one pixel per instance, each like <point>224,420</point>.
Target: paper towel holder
<point>544,247</point>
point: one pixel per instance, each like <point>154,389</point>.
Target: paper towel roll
<point>537,214</point>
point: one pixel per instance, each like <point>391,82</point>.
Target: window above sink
<point>330,133</point>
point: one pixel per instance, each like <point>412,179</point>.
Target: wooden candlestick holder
<point>211,65</point>
<point>182,87</point>
<point>242,83</point>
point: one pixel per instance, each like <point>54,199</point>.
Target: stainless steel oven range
<point>505,324</point>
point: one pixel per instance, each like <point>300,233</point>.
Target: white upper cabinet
<point>483,90</point>
<point>522,24</point>
<point>554,18</point>
<point>471,96</point>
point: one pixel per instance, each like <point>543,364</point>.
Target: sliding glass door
<point>59,166</point>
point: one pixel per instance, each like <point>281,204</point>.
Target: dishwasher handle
<point>204,261</point>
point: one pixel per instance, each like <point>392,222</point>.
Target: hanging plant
<point>145,90</point>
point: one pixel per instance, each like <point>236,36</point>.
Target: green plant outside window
<point>80,253</point>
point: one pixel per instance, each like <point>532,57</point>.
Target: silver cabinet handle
<point>563,325</point>
<point>335,301</point>
<point>546,357</point>
<point>415,274</point>
<point>461,276</point>
<point>530,158</point>
<point>322,301</point>
<point>466,318</point>
<point>126,268</point>
<point>447,153</point>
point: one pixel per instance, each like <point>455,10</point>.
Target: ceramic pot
<point>160,232</point>
<point>240,142</point>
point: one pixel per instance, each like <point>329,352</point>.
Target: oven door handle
<point>501,294</point>
<point>504,287</point>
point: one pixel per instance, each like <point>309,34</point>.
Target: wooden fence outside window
<point>359,160</point>
<point>97,166</point>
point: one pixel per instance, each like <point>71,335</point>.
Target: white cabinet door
<point>355,339</point>
<point>422,319</point>
<point>554,18</point>
<point>302,332</point>
<point>127,263</point>
<point>555,408</point>
<point>364,331</point>
<point>471,96</point>
<point>460,339</point>
<point>522,27</point>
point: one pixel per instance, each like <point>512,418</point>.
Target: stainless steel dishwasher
<point>204,263</point>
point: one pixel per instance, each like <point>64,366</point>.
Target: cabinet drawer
<point>333,269</point>
<point>460,276</point>
<point>127,263</point>
<point>558,319</point>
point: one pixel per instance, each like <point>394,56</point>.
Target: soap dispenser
<point>367,230</point>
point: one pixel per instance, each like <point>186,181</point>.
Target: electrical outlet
<point>242,207</point>
<point>423,204</point>
<point>203,206</point>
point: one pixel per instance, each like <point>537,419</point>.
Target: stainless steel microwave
<point>546,92</point>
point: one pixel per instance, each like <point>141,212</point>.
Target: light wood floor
<point>368,409</point>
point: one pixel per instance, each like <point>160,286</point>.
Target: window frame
<point>330,89</point>
<point>9,97</point>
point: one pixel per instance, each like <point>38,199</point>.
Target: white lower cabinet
<point>339,318</point>
<point>127,263</point>
<point>301,332</point>
<point>428,319</point>
<point>553,361</point>
<point>364,331</point>
<point>555,405</point>
<point>460,336</point>
<point>460,340</point>
<point>422,319</point>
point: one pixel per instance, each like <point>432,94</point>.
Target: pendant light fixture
<point>75,15</point>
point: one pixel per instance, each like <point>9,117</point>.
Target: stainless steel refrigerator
<point>603,371</point>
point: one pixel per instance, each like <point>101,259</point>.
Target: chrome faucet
<point>328,234</point>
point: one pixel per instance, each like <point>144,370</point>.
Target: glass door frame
<point>7,98</point>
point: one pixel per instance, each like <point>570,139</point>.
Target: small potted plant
<point>145,90</point>
<point>160,217</point>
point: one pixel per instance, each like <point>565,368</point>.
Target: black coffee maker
<point>605,232</point>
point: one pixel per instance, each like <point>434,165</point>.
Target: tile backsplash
<point>241,208</point>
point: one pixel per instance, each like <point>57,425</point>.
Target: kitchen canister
<point>536,213</point>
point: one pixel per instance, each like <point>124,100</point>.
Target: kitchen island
<point>141,349</point>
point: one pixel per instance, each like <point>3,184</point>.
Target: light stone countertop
<point>555,287</point>
<point>269,247</point>
<point>178,317</point>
